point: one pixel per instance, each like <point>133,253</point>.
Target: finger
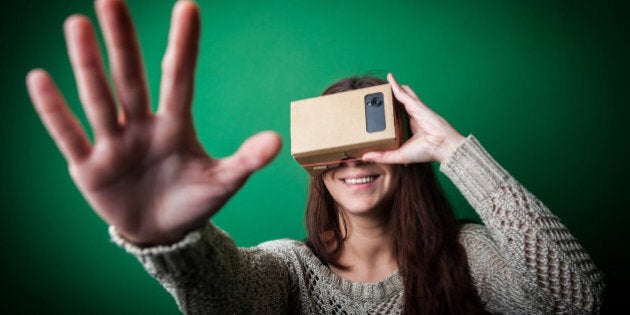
<point>392,80</point>
<point>87,65</point>
<point>178,65</point>
<point>407,96</point>
<point>386,157</point>
<point>124,58</point>
<point>399,92</point>
<point>409,91</point>
<point>253,154</point>
<point>61,124</point>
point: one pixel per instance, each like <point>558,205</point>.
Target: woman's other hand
<point>433,138</point>
<point>145,173</point>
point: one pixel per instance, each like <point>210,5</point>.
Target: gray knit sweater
<point>523,261</point>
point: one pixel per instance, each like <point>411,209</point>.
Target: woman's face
<point>362,188</point>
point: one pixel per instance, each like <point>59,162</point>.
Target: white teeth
<point>361,180</point>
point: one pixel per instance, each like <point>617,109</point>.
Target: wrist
<point>449,146</point>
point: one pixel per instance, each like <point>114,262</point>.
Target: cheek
<point>328,181</point>
<point>337,192</point>
<point>330,185</point>
<point>392,185</point>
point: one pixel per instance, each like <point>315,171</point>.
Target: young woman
<point>382,238</point>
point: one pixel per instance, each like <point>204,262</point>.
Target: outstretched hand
<point>433,138</point>
<point>146,173</point>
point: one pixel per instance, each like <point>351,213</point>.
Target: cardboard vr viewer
<point>329,129</point>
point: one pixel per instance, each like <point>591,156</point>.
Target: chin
<point>362,208</point>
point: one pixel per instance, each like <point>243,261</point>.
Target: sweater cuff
<point>137,250</point>
<point>178,258</point>
<point>473,171</point>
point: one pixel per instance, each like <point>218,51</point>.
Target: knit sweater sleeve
<point>207,274</point>
<point>524,260</point>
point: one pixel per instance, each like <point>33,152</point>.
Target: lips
<point>361,176</point>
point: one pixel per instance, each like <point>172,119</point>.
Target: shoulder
<point>473,232</point>
<point>479,245</point>
<point>282,246</point>
<point>287,258</point>
<point>286,251</point>
<point>490,271</point>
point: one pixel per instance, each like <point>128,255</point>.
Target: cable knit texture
<point>522,261</point>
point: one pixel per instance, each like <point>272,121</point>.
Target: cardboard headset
<point>330,129</point>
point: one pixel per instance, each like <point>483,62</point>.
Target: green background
<point>543,84</point>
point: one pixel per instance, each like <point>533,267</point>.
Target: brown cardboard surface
<point>331,128</point>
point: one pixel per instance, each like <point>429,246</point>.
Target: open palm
<point>146,173</point>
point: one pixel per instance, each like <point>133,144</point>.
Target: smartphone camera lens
<point>375,101</point>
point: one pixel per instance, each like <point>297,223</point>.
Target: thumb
<point>253,154</point>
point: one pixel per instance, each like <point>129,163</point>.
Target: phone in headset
<point>330,129</point>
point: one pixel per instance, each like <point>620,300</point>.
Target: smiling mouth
<point>359,180</point>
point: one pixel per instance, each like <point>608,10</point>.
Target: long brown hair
<point>431,261</point>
